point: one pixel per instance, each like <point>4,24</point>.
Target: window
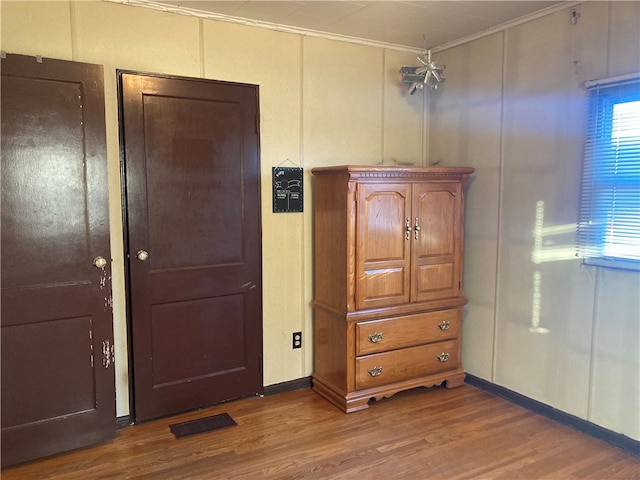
<point>609,224</point>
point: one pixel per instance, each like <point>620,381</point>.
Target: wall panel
<point>565,335</point>
<point>465,130</point>
<point>232,54</point>
<point>342,95</point>
<point>40,28</point>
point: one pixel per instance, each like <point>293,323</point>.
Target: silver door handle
<point>142,255</point>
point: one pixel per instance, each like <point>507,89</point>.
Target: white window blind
<point>609,224</point>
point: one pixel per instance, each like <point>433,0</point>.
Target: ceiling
<point>410,24</point>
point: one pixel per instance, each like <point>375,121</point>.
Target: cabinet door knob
<point>443,357</point>
<point>375,337</point>
<point>444,325</point>
<point>375,371</point>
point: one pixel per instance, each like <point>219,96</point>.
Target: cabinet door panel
<point>383,249</point>
<point>435,280</point>
<point>437,247</point>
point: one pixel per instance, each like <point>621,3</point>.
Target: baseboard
<point>617,440</point>
<point>298,384</point>
<point>290,386</point>
<point>123,422</point>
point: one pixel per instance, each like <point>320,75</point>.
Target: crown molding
<point>504,26</point>
<point>261,24</point>
<point>334,36</point>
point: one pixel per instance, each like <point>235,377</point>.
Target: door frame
<point>125,244</point>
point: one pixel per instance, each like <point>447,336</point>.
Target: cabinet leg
<point>455,381</point>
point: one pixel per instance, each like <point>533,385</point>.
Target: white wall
<point>322,102</point>
<point>538,322</point>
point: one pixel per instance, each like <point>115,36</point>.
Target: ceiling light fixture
<point>428,74</point>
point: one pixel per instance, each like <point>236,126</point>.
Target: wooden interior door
<point>57,340</point>
<point>194,244</point>
<point>437,249</point>
<point>384,245</point>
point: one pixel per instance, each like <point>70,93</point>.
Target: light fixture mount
<point>428,74</point>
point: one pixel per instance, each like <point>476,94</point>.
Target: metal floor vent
<point>202,425</point>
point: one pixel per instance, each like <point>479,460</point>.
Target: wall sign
<point>287,189</point>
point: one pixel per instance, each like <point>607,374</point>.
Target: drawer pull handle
<point>375,371</point>
<point>444,325</point>
<point>375,337</point>
<point>443,357</point>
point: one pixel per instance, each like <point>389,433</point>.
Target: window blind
<point>609,223</point>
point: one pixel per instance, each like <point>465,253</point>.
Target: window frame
<point>602,181</point>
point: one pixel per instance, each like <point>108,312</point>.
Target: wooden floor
<point>421,434</point>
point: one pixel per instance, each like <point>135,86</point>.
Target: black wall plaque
<point>287,189</point>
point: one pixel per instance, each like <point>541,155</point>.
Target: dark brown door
<point>194,243</point>
<point>57,358</point>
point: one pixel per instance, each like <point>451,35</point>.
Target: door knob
<point>99,262</point>
<point>142,255</point>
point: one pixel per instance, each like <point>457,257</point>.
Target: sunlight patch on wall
<point>542,254</point>
<point>555,253</point>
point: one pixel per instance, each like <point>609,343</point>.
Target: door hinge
<point>108,353</point>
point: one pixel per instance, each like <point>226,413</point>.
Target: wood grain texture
<point>464,433</point>
<point>381,335</point>
<point>400,233</point>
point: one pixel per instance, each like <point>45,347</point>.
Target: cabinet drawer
<point>401,332</point>
<point>398,365</point>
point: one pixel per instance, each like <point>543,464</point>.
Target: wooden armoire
<point>388,293</point>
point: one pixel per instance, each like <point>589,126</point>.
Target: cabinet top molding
<point>378,171</point>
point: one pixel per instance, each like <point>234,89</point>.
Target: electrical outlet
<point>297,340</point>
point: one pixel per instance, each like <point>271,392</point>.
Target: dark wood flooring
<point>462,433</point>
